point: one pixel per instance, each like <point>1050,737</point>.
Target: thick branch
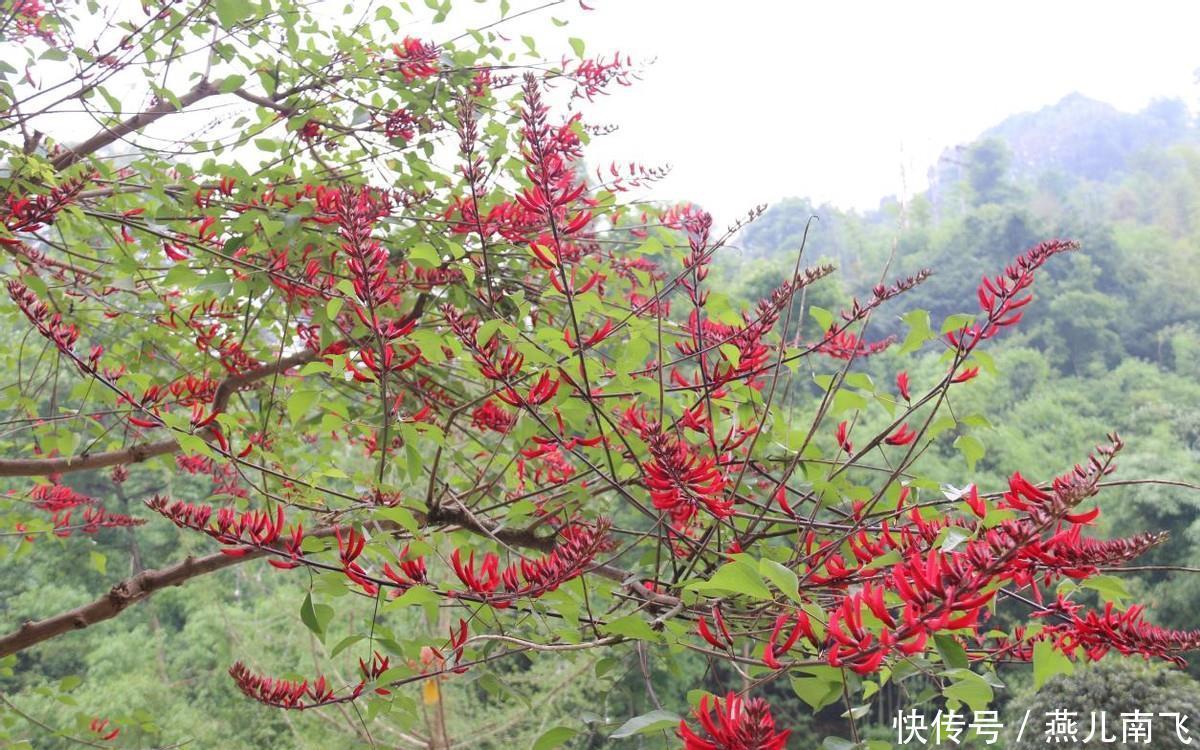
<point>145,584</point>
<point>125,593</point>
<point>108,136</point>
<point>38,467</point>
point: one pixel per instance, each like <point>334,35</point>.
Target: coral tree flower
<point>738,724</point>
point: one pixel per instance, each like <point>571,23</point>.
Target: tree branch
<point>125,593</point>
<point>201,90</point>
<point>145,584</point>
<point>38,467</point>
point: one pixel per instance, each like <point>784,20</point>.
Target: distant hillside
<point>1066,149</point>
<point>1077,138</point>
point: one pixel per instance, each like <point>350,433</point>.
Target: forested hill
<point>1112,338</point>
<point>1074,140</point>
<point>1126,185</point>
<point>1053,150</point>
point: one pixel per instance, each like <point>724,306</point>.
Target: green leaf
<point>424,255</point>
<point>844,401</point>
<point>971,448</point>
<point>299,403</point>
<point>554,737</point>
<point>631,626</point>
<point>1110,588</point>
<point>957,322</point>
<point>98,562</point>
<point>577,46</point>
<point>416,595</point>
<point>231,83</point>
<point>344,644</point>
<point>940,425</point>
<point>736,577</point>
<point>333,307</point>
<point>822,688</point>
<point>606,665</point>
<point>400,515</point>
<point>952,538</point>
<point>953,654</point>
<point>783,577</point>
<point>823,317</point>
<point>1048,662</point>
<point>646,723</point>
<point>731,353</point>
<point>969,688</point>
<point>695,696</point>
<point>315,616</point>
<point>919,330</point>
<point>230,12</point>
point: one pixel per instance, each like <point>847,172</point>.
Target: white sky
<point>752,101</point>
<point>755,100</point>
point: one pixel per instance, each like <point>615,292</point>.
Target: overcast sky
<point>752,101</point>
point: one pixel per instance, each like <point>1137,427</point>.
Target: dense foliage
<point>432,425</point>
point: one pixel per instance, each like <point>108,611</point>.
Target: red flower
<point>999,296</point>
<point>533,578</point>
<point>483,582</point>
<point>774,648</point>
<point>680,481</point>
<point>100,728</point>
<point>972,499</point>
<point>311,130</point>
<point>902,384</point>
<point>254,528</point>
<point>286,693</point>
<point>349,548</point>
<point>488,416</point>
<point>843,437</point>
<point>968,373</point>
<point>707,634</point>
<point>902,436</point>
<point>63,335</point>
<point>739,724</point>
<point>845,345</point>
<point>412,572</point>
<point>417,58</point>
<point>400,124</point>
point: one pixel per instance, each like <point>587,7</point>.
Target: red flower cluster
<point>31,213</point>
<point>593,75</point>
<point>488,416</point>
<point>1000,298</point>
<point>400,124</point>
<point>412,572</point>
<point>549,153</point>
<point>99,727</point>
<point>357,212</point>
<point>680,482</point>
<point>63,335</point>
<point>531,578</point>
<point>738,724</point>
<point>61,502</point>
<point>936,589</point>
<point>842,344</point>
<point>286,693</point>
<point>30,17</point>
<point>250,528</point>
<point>706,335</point>
<point>417,59</point>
